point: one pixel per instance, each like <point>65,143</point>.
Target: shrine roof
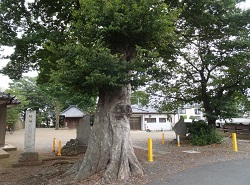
<point>73,112</point>
<point>6,98</point>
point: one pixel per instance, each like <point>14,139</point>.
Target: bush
<point>184,116</point>
<point>200,134</point>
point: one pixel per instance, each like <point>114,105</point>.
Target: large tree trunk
<point>211,123</point>
<point>110,150</point>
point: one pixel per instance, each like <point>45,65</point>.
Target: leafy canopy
<point>213,58</point>
<point>88,45</point>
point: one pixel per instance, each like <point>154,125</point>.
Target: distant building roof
<point>188,106</point>
<point>6,98</point>
<point>72,112</point>
<point>140,110</point>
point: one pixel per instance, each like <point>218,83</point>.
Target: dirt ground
<point>166,162</point>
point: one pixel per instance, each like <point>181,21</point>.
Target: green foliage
<point>67,97</point>
<point>15,113</point>
<point>201,134</point>
<point>31,97</point>
<point>184,116</point>
<point>192,117</point>
<point>91,45</point>
<point>26,89</point>
<point>39,119</point>
<point>213,59</point>
<point>42,99</point>
<point>140,98</point>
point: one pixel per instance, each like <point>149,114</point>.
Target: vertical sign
<point>30,130</point>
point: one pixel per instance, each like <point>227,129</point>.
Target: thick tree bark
<point>110,149</point>
<point>207,101</point>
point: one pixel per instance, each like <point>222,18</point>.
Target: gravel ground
<point>168,158</point>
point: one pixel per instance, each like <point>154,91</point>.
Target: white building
<point>189,113</point>
<point>148,118</point>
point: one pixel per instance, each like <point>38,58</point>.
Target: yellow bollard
<point>54,145</point>
<point>150,150</point>
<point>59,148</point>
<point>178,141</point>
<point>234,141</point>
<point>162,139</point>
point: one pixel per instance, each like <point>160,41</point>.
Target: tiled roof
<point>6,98</point>
<point>72,112</point>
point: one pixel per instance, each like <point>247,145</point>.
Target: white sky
<point>4,80</point>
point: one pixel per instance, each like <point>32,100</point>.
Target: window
<point>162,120</point>
<point>197,111</point>
<point>182,111</point>
<point>150,120</point>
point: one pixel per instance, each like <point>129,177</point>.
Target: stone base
<point>3,154</point>
<point>9,147</point>
<point>28,159</point>
<point>30,163</point>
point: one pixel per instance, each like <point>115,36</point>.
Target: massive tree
<point>213,56</point>
<point>96,47</point>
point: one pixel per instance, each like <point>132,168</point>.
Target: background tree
<point>62,97</point>
<point>213,56</point>
<point>31,97</point>
<point>14,113</point>
<point>94,48</point>
<point>140,98</point>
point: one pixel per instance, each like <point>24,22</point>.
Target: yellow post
<point>178,141</point>
<point>150,150</point>
<point>54,145</point>
<point>234,141</point>
<point>59,148</point>
<point>162,139</point>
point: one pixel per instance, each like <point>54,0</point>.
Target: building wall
<point>188,114</point>
<point>154,122</point>
<point>71,123</point>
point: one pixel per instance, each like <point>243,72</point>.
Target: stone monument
<point>29,156</point>
<point>83,130</point>
<point>80,144</point>
<point>180,128</point>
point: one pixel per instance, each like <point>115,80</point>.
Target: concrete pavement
<point>221,173</point>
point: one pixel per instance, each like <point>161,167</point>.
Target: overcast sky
<point>4,80</point>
